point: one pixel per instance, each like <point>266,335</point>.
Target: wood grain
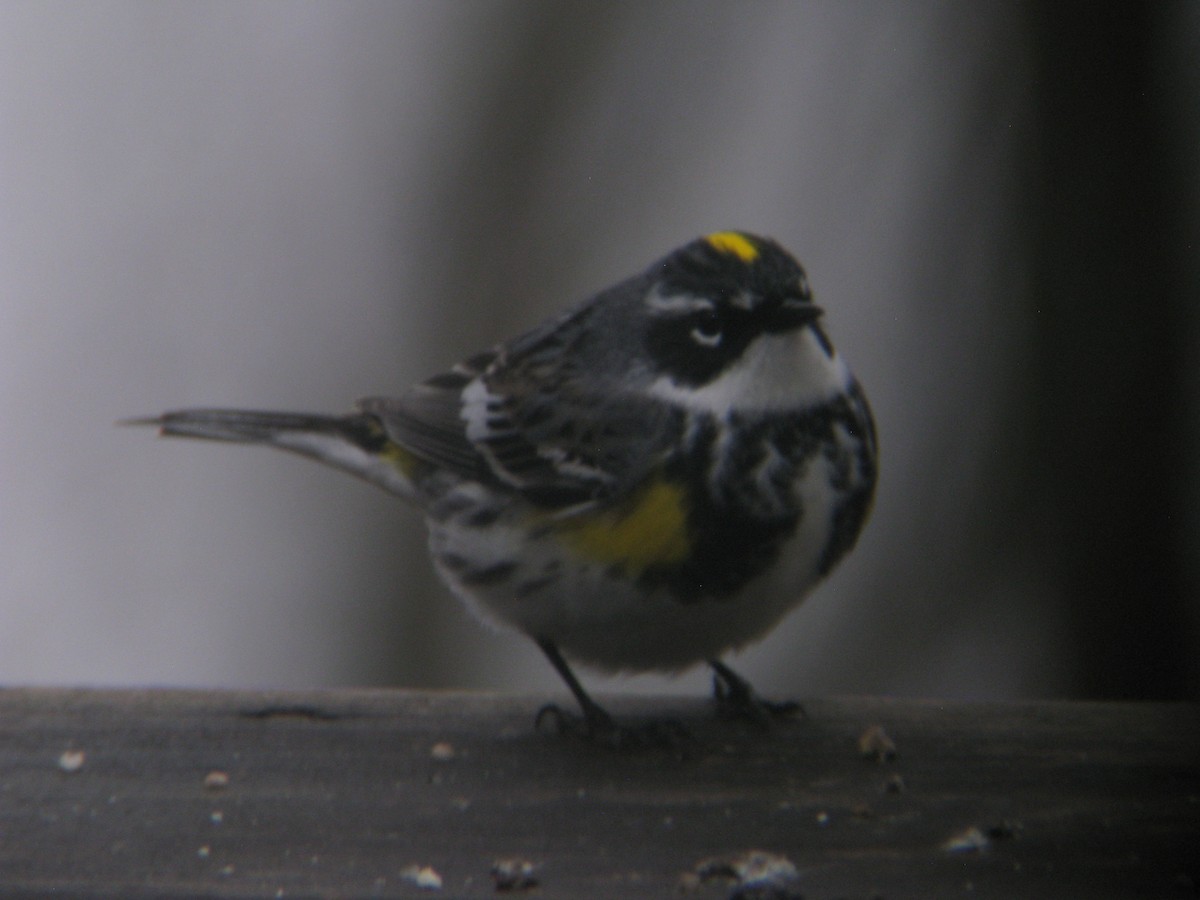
<point>367,793</point>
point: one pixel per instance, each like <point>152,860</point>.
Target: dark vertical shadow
<point>1109,453</point>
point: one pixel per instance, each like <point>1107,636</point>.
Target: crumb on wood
<point>71,760</point>
<point>425,877</point>
<point>969,840</point>
<point>514,874</point>
<point>875,744</point>
<point>753,873</point>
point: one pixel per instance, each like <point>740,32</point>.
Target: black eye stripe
<point>708,323</point>
<point>681,347</point>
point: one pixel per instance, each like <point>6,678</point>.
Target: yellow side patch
<point>649,529</point>
<point>732,242</point>
<point>401,458</point>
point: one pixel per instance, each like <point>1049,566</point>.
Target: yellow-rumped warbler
<point>647,481</point>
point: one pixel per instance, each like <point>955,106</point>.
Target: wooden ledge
<point>394,793</point>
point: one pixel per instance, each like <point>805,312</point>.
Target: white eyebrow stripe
<point>677,303</point>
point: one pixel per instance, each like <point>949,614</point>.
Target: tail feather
<point>355,443</point>
<point>242,425</point>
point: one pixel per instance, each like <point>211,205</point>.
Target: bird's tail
<point>356,443</point>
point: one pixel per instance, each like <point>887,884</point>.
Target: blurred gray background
<point>291,205</point>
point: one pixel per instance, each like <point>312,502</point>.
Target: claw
<point>598,727</point>
<point>595,724</point>
<point>737,699</point>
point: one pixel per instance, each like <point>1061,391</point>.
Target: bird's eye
<point>707,329</point>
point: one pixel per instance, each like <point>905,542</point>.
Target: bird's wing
<point>427,421</point>
<point>524,416</point>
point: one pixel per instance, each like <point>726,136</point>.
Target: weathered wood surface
<point>342,793</point>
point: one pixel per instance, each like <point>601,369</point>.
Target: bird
<point>646,482</point>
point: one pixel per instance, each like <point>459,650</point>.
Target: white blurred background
<point>292,205</point>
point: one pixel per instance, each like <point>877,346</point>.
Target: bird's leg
<point>596,724</point>
<point>596,721</point>
<point>737,699</point>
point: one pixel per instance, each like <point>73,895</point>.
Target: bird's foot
<point>736,699</point>
<point>596,726</point>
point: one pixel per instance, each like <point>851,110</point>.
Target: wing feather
<point>525,418</point>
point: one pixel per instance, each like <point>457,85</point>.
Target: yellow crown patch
<point>732,242</point>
